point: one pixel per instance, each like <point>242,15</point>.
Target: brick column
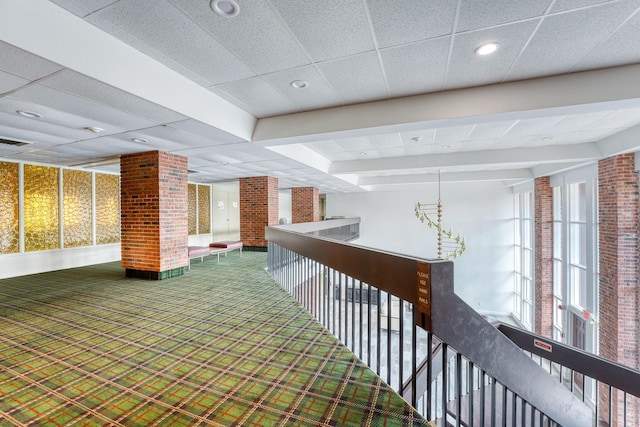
<point>305,204</point>
<point>258,209</point>
<point>619,323</point>
<point>154,216</point>
<point>543,235</point>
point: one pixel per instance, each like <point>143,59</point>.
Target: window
<point>523,274</point>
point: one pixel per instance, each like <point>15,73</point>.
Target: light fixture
<point>363,153</point>
<point>447,146</point>
<point>487,49</point>
<point>547,138</point>
<point>139,140</point>
<point>416,138</point>
<point>299,84</point>
<point>29,114</point>
<point>226,8</point>
<point>93,129</point>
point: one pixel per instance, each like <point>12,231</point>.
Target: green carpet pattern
<point>222,345</point>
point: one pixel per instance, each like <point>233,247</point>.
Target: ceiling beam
<point>517,156</point>
<point>49,31</point>
<point>500,175</point>
<point>588,91</point>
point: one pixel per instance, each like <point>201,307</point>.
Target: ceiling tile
<point>23,64</point>
<point>189,45</point>
<point>537,126</point>
<point>468,69</point>
<point>9,82</point>
<point>256,96</point>
<point>77,112</point>
<point>318,93</point>
<point>357,78</point>
<point>213,135</point>
<point>491,130</point>
<point>452,135</point>
<point>476,14</point>
<point>563,5</point>
<point>617,119</point>
<point>563,40</point>
<point>345,22</point>
<point>263,48</point>
<point>80,85</point>
<point>416,68</point>
<point>83,7</point>
<point>416,20</point>
<point>621,47</point>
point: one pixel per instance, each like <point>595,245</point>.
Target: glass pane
<point>577,202</point>
<point>77,208</point>
<point>204,209</point>
<point>557,278</point>
<point>526,233</point>
<point>41,208</point>
<point>107,208</point>
<point>557,203</point>
<point>578,243</point>
<point>557,240</point>
<point>526,205</point>
<point>9,208</point>
<point>527,262</point>
<point>191,208</point>
<point>578,281</point>
<point>518,283</point>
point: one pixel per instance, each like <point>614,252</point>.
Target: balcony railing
<point>451,364</point>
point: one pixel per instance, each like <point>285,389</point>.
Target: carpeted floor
<point>221,345</point>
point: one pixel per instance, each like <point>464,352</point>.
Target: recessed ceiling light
<point>93,129</point>
<point>447,146</point>
<point>416,138</point>
<point>29,114</point>
<point>226,8</point>
<point>487,49</point>
<point>299,84</point>
<point>363,153</point>
<point>139,140</point>
<point>547,138</point>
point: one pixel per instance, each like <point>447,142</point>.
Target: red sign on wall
<point>543,345</point>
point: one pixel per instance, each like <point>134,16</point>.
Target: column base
<point>155,275</point>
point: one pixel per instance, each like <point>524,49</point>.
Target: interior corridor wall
<point>481,212</point>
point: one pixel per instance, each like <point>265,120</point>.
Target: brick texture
<point>154,215</point>
<point>305,204</point>
<point>258,209</point>
<point>543,235</point>
<point>619,322</point>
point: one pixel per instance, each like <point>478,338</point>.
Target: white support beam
<point>514,157</point>
<point>501,175</point>
<point>49,31</point>
<point>587,91</point>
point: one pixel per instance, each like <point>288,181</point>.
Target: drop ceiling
<point>394,93</point>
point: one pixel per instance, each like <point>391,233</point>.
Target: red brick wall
<point>543,235</point>
<point>258,209</point>
<point>305,204</point>
<point>618,240</point>
<point>154,217</point>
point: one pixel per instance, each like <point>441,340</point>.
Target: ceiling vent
<point>14,142</point>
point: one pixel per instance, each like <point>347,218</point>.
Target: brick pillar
<point>154,216</point>
<point>619,323</point>
<point>543,235</point>
<point>305,204</point>
<point>258,209</point>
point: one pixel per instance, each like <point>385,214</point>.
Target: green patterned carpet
<point>221,345</point>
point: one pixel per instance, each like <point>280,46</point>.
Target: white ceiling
<point>395,93</point>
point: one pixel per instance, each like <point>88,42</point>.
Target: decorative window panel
<point>193,214</point>
<point>107,208</point>
<point>204,209</point>
<point>76,208</point>
<point>9,208</point>
<point>41,208</point>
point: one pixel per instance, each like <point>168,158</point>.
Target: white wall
<point>284,205</point>
<point>481,212</point>
<point>12,265</point>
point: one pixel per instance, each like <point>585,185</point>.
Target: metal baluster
<point>458,387</point>
<point>429,361</point>
<point>369,326</point>
<point>504,405</point>
<point>445,381</point>
<point>513,409</point>
<point>379,338</point>
<point>610,404</point>
<point>390,307</point>
<point>340,306</point>
<point>353,314</point>
<point>482,398</point>
<point>470,388</point>
<point>401,345</point>
<point>360,318</point>
<point>414,356</point>
<point>493,401</point>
